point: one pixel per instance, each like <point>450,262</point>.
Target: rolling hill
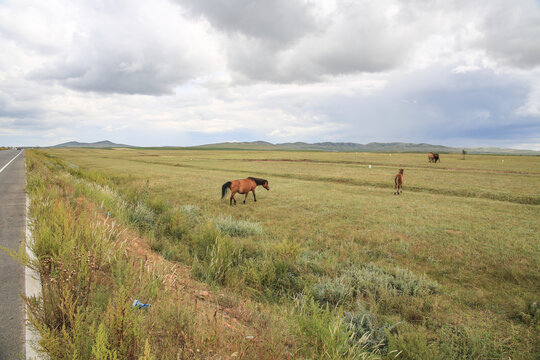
<point>99,144</point>
<point>371,147</point>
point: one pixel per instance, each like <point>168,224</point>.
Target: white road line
<point>5,166</point>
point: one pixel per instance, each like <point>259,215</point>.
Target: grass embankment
<point>333,256</point>
<point>92,269</point>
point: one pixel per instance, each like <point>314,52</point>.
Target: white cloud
<point>132,47</point>
<point>531,107</point>
<point>528,146</point>
<point>187,72</point>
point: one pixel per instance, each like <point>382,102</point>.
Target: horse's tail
<point>224,188</point>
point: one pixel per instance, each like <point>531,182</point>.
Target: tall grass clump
<point>324,334</point>
<point>216,256</point>
<point>369,330</point>
<point>233,227</point>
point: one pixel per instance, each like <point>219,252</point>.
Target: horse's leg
<point>254,197</point>
<point>246,197</point>
<point>232,198</point>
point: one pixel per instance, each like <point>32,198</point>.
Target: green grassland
<point>450,269</point>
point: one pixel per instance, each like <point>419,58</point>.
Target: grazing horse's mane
<point>258,181</point>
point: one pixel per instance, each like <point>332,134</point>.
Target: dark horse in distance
<point>433,157</point>
<point>398,182</point>
<point>243,186</point>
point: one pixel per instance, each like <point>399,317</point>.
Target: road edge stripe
<point>5,166</point>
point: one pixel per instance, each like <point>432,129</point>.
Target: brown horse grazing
<point>398,182</point>
<point>243,186</point>
<point>433,157</point>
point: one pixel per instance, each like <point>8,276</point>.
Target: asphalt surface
<point>12,225</point>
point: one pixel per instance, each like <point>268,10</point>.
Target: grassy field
<point>449,270</point>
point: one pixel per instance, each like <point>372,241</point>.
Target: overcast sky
<point>186,72</point>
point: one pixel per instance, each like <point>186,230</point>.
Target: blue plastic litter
<point>140,305</point>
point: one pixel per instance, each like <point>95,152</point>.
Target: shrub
<point>332,292</point>
<point>141,216</point>
<point>233,227</point>
<point>371,280</point>
<point>191,213</point>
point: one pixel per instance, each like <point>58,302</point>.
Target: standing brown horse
<point>398,182</point>
<point>243,186</point>
<point>433,157</point>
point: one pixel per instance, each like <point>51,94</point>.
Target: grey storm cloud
<point>512,34</point>
<point>288,41</point>
<point>346,46</point>
<point>275,22</point>
<point>283,41</point>
<point>114,72</point>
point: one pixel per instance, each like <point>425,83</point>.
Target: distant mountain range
<point>99,144</point>
<point>371,147</point>
<point>323,146</point>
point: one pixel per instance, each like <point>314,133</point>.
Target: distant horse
<point>433,157</point>
<point>398,182</point>
<point>243,186</point>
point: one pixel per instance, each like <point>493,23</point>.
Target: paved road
<point>12,221</point>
